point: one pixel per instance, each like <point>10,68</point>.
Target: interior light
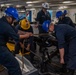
<point>32,9</point>
<point>67,1</point>
<point>21,11</point>
<point>2,5</point>
<point>63,7</point>
<point>8,4</point>
<point>18,6</point>
<point>28,2</point>
<point>30,5</point>
<point>32,2</point>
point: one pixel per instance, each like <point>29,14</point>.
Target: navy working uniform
<point>6,58</point>
<point>41,17</point>
<point>66,35</point>
<point>28,41</point>
<point>66,20</point>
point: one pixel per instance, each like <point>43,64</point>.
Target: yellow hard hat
<point>25,24</point>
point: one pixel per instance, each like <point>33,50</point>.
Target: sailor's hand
<point>31,34</point>
<point>26,35</point>
<point>62,61</point>
<point>27,48</point>
<point>22,45</point>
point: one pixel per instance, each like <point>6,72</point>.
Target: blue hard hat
<point>45,25</point>
<point>10,11</point>
<point>65,12</point>
<point>58,14</point>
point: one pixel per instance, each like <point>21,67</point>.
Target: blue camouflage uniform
<point>66,36</point>
<point>66,20</point>
<point>6,58</point>
<point>29,41</point>
<point>41,17</point>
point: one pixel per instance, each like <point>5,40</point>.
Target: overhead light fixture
<point>63,7</point>
<point>32,9</point>
<point>22,11</point>
<point>8,4</point>
<point>28,2</point>
<point>67,1</point>
<point>32,2</point>
<point>18,6</point>
<point>30,5</point>
<point>2,5</point>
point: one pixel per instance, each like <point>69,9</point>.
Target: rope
<point>23,57</point>
<point>34,54</point>
<point>41,34</point>
<point>35,25</point>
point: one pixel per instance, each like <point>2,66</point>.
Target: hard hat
<point>10,11</point>
<point>58,14</point>
<point>45,25</point>
<point>45,5</point>
<point>65,12</point>
<point>25,24</point>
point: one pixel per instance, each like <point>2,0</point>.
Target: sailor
<point>6,32</point>
<point>66,35</point>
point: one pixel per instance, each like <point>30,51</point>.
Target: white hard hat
<point>45,5</point>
